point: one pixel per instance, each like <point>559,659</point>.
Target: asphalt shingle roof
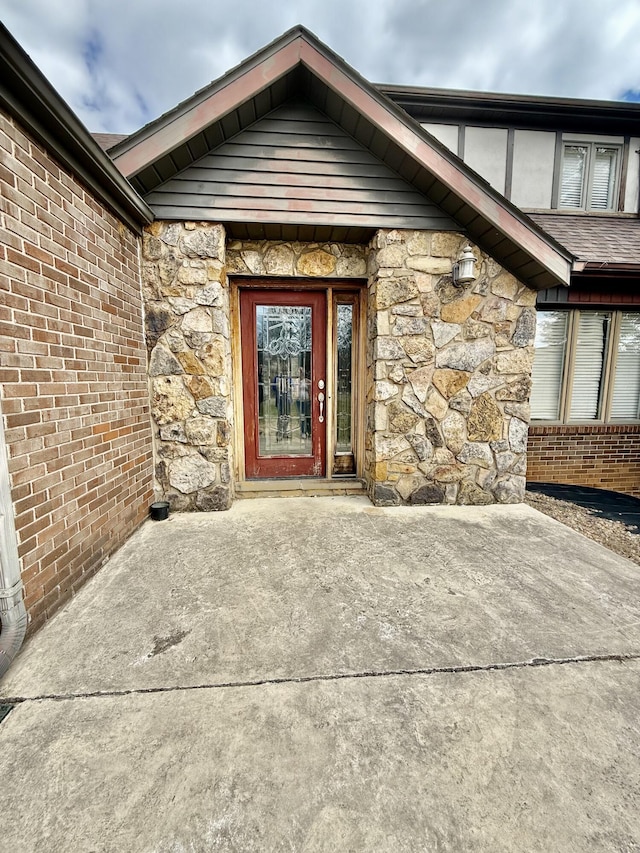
<point>594,239</point>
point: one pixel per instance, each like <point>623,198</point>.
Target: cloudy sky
<point>121,63</point>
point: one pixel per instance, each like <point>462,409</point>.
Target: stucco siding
<point>485,150</point>
<point>533,161</point>
<point>445,133</point>
<point>632,186</point>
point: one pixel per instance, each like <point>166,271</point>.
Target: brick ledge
<point>585,429</point>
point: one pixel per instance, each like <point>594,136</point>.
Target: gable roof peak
<point>298,64</point>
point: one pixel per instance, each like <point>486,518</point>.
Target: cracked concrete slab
<point>306,587</point>
<point>535,759</point>
<point>407,679</point>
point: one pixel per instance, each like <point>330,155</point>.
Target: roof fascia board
<point>27,95</point>
<point>516,103</point>
<point>135,154</point>
<point>454,174</point>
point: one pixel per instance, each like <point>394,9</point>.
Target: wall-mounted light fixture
<point>463,270</point>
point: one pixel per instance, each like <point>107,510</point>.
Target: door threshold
<point>299,487</point>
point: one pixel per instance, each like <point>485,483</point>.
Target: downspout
<point>13,615</point>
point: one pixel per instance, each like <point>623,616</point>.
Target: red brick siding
<point>73,373</point>
<point>605,457</point>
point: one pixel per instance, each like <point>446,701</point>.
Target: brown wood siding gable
<point>295,166</point>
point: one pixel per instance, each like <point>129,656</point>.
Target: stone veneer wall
<point>186,292</point>
<point>449,374</point>
<point>187,329</point>
<point>449,368</point>
<point>299,260</point>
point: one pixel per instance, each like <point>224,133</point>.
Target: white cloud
<point>150,54</point>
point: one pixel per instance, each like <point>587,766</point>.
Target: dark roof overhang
<point>298,64</point>
<point>570,114</point>
<point>26,95</point>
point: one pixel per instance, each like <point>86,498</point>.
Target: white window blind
<point>588,366</point>
<point>548,364</point>
<point>603,179</point>
<point>573,174</point>
<point>589,176</point>
<point>625,403</point>
<point>571,379</point>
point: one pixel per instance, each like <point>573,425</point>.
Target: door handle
<point>321,401</point>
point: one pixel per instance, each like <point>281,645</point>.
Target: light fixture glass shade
<point>465,266</point>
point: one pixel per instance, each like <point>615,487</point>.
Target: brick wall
<point>73,373</point>
<point>605,457</point>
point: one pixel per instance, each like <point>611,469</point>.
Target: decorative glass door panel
<point>343,459</point>
<point>284,393</point>
<point>284,378</point>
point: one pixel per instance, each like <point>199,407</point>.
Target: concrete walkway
<point>322,675</point>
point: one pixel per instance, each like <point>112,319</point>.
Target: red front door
<point>283,336</point>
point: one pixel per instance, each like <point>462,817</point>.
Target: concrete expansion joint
<point>342,676</point>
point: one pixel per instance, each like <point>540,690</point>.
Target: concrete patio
<point>324,675</point>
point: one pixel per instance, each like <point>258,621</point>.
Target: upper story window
<point>590,176</point>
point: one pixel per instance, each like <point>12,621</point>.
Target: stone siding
<point>186,291</point>
<point>448,367</point>
<point>294,259</point>
<point>449,375</point>
<point>188,341</point>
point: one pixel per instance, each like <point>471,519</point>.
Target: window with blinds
<point>573,170</point>
<point>548,365</point>
<point>603,179</point>
<point>589,177</point>
<point>625,404</point>
<point>586,367</point>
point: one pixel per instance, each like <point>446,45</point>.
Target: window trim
<point>608,369</point>
<point>587,182</point>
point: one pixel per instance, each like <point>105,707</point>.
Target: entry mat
<point>601,502</point>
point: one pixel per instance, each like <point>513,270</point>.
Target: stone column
<point>449,370</point>
<point>187,328</point>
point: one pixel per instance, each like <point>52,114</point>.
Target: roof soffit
<point>486,212</point>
